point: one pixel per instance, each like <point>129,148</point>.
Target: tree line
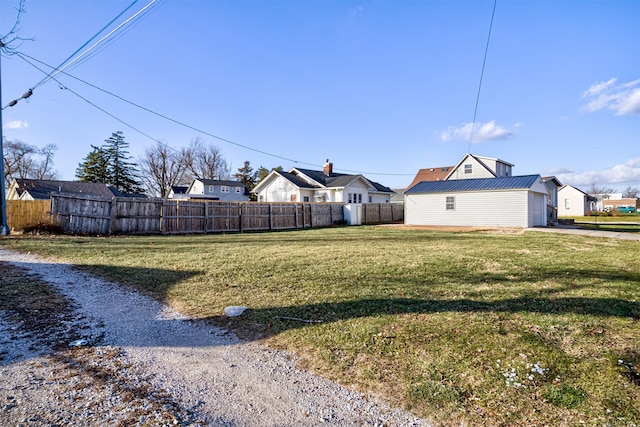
<point>159,168</point>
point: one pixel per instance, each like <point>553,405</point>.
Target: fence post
<point>270,216</point>
<point>112,215</point>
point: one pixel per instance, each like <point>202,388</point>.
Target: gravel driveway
<point>146,364</point>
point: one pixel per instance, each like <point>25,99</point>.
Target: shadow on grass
<point>331,312</point>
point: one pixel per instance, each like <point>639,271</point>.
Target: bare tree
<point>595,189</point>
<point>162,167</point>
<point>631,192</point>
<point>22,160</point>
<point>205,161</point>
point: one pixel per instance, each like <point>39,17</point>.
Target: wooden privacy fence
<point>121,215</point>
<point>22,213</point>
<point>382,213</point>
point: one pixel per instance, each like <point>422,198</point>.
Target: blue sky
<point>379,87</point>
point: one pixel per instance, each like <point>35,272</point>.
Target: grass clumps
<point>462,328</point>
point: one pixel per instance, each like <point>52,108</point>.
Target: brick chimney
<point>328,168</point>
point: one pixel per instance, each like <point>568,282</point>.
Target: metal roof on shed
<point>478,184</point>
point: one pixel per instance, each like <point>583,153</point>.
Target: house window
<point>468,168</point>
<point>370,199</point>
<point>567,203</point>
<point>211,189</point>
<point>451,203</point>
<point>305,199</point>
<point>349,199</point>
<point>238,190</point>
<point>359,198</point>
<point>224,188</point>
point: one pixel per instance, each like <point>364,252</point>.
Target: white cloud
<point>559,170</point>
<point>16,124</point>
<point>622,99</point>
<point>618,177</point>
<point>489,131</point>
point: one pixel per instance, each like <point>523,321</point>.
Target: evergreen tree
<point>123,173</point>
<point>111,164</point>
<point>246,176</point>
<point>94,167</point>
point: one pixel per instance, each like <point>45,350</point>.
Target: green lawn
<point>477,328</point>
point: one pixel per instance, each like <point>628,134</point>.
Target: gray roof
<point>296,180</point>
<point>221,182</point>
<point>478,184</point>
<point>41,189</point>
<point>338,179</point>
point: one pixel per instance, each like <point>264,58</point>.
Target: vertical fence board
<point>23,213</point>
<point>98,216</point>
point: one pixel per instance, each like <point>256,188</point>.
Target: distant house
<point>211,189</point>
<point>431,174</point>
<point>478,191</point>
<point>473,166</point>
<point>178,192</point>
<point>39,189</point>
<point>574,202</point>
<point>306,185</point>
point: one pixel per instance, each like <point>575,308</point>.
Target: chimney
<point>328,168</point>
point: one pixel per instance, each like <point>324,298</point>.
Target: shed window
<point>567,203</point>
<point>468,168</point>
<point>451,203</point>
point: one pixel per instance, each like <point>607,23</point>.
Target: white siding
<point>537,209</point>
<point>478,170</point>
<point>197,187</point>
<point>380,198</point>
<point>280,190</point>
<point>571,202</point>
<point>486,208</point>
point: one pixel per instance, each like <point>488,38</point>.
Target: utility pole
<point>4,227</point>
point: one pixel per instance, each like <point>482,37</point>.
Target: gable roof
<point>179,189</point>
<point>552,179</point>
<point>589,196</point>
<point>476,159</point>
<point>475,184</point>
<point>41,189</point>
<point>431,174</point>
<point>337,179</point>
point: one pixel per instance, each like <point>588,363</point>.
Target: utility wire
<point>63,87</point>
<point>57,69</point>
<point>484,61</point>
<point>24,57</point>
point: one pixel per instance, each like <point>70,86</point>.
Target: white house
<point>211,189</point>
<point>306,185</point>
<point>574,202</point>
<point>474,166</point>
<point>508,201</point>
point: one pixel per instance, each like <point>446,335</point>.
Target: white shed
<point>516,201</point>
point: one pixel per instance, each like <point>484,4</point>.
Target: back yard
<point>483,327</point>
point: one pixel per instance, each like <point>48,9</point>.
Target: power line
<point>57,69</point>
<point>23,56</point>
<point>484,61</point>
